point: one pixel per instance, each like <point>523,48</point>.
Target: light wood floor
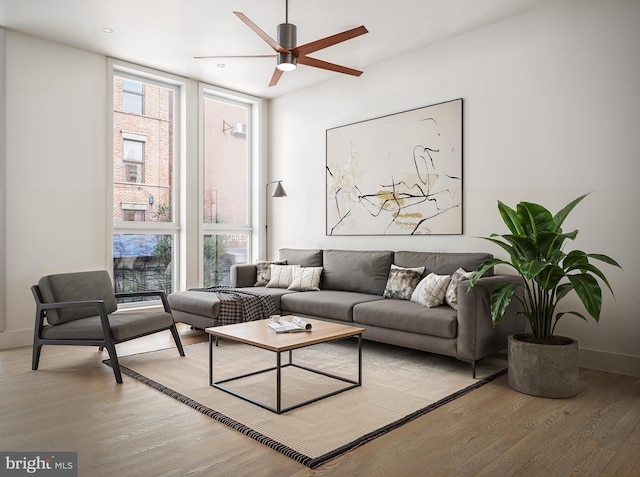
<point>72,403</point>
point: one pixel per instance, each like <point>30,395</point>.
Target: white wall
<point>551,111</point>
<point>56,165</point>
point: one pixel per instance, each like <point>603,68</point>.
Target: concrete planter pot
<point>544,370</point>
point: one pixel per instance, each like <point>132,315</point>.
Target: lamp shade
<point>279,192</point>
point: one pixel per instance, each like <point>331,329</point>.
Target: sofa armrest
<point>477,337</point>
<point>243,275</point>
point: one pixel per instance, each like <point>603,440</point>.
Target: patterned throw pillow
<point>430,291</point>
<point>402,281</point>
<point>263,274</point>
<point>451,295</point>
<point>281,276</point>
<point>306,279</point>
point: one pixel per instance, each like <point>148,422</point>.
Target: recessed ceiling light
<point>107,30</point>
<point>221,65</point>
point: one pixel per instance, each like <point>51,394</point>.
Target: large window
<point>145,226</point>
<point>226,178</point>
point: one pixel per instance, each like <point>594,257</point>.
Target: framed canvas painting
<point>399,174</point>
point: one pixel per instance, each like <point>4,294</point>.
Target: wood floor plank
<point>73,404</point>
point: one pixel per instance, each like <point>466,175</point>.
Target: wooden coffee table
<point>256,333</point>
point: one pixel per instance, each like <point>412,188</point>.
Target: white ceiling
<point>166,34</point>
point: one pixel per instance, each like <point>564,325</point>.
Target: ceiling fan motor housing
<point>287,39</point>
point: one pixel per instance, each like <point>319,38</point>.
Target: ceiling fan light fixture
<point>287,61</point>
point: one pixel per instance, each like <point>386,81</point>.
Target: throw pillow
<point>263,272</point>
<point>451,295</point>
<point>430,291</point>
<point>402,281</point>
<point>306,279</point>
<point>281,275</point>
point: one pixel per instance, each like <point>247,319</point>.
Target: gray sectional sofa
<point>352,286</point>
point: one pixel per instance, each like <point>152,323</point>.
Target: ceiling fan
<point>289,55</point>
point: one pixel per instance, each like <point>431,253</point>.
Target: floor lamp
<point>279,192</point>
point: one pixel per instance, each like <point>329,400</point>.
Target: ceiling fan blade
<point>276,77</point>
<point>270,41</point>
<point>329,41</point>
<point>233,56</point>
<point>325,65</point>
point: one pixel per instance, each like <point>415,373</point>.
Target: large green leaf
<point>524,246</point>
<point>510,218</point>
<point>604,258</point>
<point>560,315</point>
<point>484,267</point>
<point>589,292</point>
<point>549,277</point>
<point>500,299</point>
<point>550,245</point>
<point>534,219</point>
<point>574,259</point>
<point>530,270</point>
<point>562,290</point>
<point>578,260</point>
<point>562,215</point>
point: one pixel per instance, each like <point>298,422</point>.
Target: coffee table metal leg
<point>211,358</point>
<point>360,359</point>
<point>278,383</point>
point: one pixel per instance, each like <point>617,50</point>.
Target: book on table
<point>296,324</point>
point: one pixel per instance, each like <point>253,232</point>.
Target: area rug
<point>398,385</point>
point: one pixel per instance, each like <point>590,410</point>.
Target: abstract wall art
<point>399,174</point>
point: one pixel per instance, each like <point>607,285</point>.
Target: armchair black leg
<point>176,338</point>
<point>35,361</point>
<point>111,349</point>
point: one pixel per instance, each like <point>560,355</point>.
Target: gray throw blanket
<point>238,306</point>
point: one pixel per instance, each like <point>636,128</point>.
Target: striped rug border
<point>284,449</point>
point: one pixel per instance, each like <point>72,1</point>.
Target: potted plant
<point>541,363</point>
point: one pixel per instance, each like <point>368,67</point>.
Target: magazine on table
<point>280,325</point>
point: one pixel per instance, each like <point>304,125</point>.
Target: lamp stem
<point>266,223</point>
<point>279,192</point>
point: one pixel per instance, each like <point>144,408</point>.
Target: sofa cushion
<point>263,272</point>
<point>408,316</point>
<point>302,257</point>
<point>334,304</point>
<point>356,271</point>
<point>281,276</point>
<point>402,281</point>
<point>442,263</point>
<point>306,279</point>
<point>431,289</point>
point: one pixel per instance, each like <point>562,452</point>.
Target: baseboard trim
<point>610,362</point>
<point>16,339</point>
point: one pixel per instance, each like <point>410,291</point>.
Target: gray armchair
<point>79,310</point>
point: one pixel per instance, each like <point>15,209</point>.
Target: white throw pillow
<point>281,275</point>
<point>306,279</point>
<point>451,295</point>
<point>430,291</point>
